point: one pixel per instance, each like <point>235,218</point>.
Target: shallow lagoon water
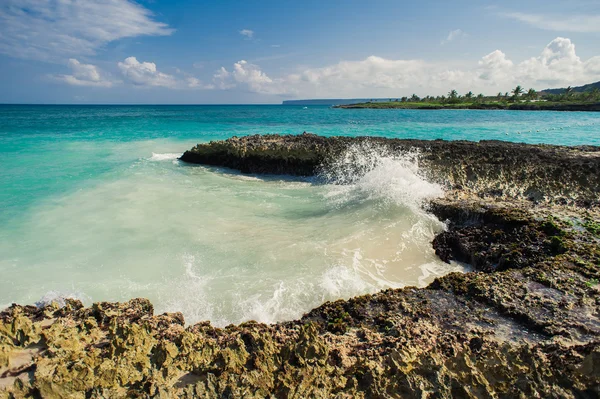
<point>95,205</point>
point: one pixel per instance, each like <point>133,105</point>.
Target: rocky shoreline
<point>525,323</point>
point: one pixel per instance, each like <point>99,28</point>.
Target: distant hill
<point>579,89</point>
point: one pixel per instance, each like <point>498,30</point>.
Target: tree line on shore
<point>518,94</point>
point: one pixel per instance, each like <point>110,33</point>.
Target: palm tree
<point>531,94</point>
<point>453,96</point>
<point>480,98</point>
<point>415,98</point>
<point>469,95</point>
<point>499,95</point>
<point>568,91</point>
<point>517,91</point>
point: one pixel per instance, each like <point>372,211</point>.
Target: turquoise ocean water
<point>94,204</point>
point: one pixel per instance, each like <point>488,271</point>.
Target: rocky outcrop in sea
<point>524,323</point>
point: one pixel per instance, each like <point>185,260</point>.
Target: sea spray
<point>60,298</point>
<point>371,172</point>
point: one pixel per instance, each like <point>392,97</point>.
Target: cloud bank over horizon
<point>557,65</point>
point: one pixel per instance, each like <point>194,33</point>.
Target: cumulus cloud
<point>84,75</point>
<point>495,66</point>
<point>557,65</point>
<point>195,83</point>
<point>145,74</point>
<point>52,30</point>
<point>561,23</point>
<point>249,34</point>
<point>223,80</point>
<point>370,73</point>
<point>347,78</point>
<point>453,35</point>
<point>250,77</point>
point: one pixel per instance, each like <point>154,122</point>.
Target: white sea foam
<point>367,172</point>
<point>432,270</point>
<point>343,281</point>
<point>228,248</point>
<point>164,157</point>
<point>60,298</point>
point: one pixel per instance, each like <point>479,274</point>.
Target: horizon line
<point>138,104</point>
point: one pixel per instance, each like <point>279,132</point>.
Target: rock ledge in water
<point>486,168</point>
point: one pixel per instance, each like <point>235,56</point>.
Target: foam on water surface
<point>165,157</point>
<point>226,247</point>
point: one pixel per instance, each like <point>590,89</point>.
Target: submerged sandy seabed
<point>226,247</point>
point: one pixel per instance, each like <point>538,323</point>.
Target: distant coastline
<point>583,98</point>
<point>526,106</point>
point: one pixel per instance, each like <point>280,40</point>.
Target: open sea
<point>95,205</point>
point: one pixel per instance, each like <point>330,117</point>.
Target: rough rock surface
<point>486,168</point>
<point>525,323</point>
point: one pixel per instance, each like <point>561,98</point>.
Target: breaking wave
<point>164,157</point>
<point>372,173</point>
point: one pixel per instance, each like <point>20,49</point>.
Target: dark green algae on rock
<point>525,323</point>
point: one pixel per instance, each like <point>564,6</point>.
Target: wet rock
<point>488,169</point>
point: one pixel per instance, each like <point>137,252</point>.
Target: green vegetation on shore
<point>517,99</point>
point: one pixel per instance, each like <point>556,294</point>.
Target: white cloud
<point>223,80</point>
<point>247,33</point>
<point>370,73</point>
<point>557,65</point>
<point>250,77</point>
<point>84,75</point>
<point>52,30</point>
<point>561,23</point>
<point>495,66</point>
<point>195,83</point>
<point>145,74</point>
<point>453,35</point>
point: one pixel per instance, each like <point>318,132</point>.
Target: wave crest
<point>164,157</point>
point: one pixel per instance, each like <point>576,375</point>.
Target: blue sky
<point>121,51</point>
